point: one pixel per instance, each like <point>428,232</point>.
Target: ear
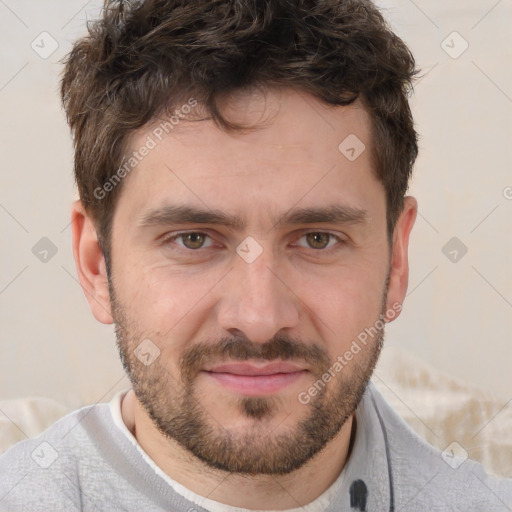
<point>399,266</point>
<point>90,263</point>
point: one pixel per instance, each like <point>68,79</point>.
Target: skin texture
<point>303,300</point>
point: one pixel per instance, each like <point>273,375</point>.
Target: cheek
<point>167,304</point>
<point>345,303</point>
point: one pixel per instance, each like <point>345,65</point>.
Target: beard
<point>175,407</point>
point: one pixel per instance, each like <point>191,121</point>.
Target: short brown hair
<point>141,58</point>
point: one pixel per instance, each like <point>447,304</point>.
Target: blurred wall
<point>458,313</point>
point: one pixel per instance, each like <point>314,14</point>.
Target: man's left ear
<point>399,267</point>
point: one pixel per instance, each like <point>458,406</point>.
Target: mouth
<point>256,379</point>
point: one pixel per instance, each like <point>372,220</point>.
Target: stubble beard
<point>175,406</point>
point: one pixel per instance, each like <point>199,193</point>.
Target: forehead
<point>301,151</point>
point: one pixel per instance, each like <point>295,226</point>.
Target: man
<point>242,169</point>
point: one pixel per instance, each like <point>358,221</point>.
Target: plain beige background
<point>457,316</point>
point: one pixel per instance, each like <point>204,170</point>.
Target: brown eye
<point>318,240</point>
<point>193,240</point>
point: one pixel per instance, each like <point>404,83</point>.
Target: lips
<point>255,379</point>
<point>255,369</point>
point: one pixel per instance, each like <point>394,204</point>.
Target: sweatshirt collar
<point>368,482</point>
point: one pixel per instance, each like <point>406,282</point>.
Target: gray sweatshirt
<point>86,462</point>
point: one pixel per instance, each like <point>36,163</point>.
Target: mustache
<point>240,348</point>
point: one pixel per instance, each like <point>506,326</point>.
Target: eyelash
<point>172,238</point>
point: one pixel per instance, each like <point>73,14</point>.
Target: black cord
<point>388,456</point>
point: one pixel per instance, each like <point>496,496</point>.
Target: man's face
<point>248,304</point>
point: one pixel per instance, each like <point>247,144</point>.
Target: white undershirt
<point>318,505</point>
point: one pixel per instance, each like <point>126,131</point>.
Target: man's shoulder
<point>424,475</point>
<point>47,466</point>
<point>63,433</point>
<point>82,462</point>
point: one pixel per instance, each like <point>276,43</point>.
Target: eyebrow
<point>181,214</point>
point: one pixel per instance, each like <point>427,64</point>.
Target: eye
<point>190,240</point>
<point>320,240</point>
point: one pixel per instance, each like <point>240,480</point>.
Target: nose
<point>256,300</point>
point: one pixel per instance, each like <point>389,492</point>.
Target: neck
<point>261,492</point>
